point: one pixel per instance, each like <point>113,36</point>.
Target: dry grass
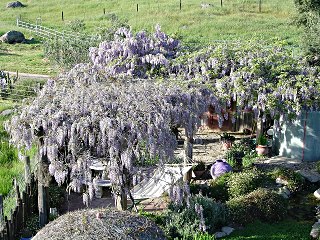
<point>112,224</point>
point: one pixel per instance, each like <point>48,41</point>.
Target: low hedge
<point>261,204</point>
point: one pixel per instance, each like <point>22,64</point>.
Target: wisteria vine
<point>136,87</point>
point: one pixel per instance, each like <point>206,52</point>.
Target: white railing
<point>45,32</point>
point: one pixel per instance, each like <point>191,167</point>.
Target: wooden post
<point>180,5</point>
<point>137,7</point>
<point>260,3</point>
<point>221,3</point>
<point>43,194</point>
<point>62,16</point>
<point>104,11</point>
<point>1,209</point>
<point>27,170</point>
<point>7,226</point>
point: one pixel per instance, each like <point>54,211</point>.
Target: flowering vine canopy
<point>124,102</point>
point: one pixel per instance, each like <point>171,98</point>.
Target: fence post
<point>221,3</point>
<point>104,11</point>
<point>27,170</point>
<point>180,5</point>
<point>260,3</point>
<point>1,210</point>
<point>137,7</point>
<point>62,16</point>
<point>43,193</point>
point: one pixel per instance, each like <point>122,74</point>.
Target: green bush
<point>249,159</point>
<point>261,204</point>
<point>56,196</point>
<point>244,182</point>
<point>183,222</point>
<point>218,188</point>
<point>294,179</point>
<point>238,151</point>
<point>203,236</point>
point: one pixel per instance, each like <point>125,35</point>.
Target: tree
<point>104,110</point>
<point>309,19</point>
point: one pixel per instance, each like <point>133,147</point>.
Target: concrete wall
<point>300,139</point>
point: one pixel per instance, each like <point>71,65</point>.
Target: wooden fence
<point>26,205</point>
<point>47,33</point>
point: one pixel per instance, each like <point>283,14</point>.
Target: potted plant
<point>199,169</point>
<point>227,140</point>
<point>262,145</point>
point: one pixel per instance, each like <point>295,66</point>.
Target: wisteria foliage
<point>103,109</point>
<point>84,118</point>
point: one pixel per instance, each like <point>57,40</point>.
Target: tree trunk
<point>121,201</point>
<point>259,127</point>
<point>188,150</point>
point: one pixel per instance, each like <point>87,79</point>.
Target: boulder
<point>13,37</point>
<point>315,231</point>
<point>220,234</point>
<point>284,192</point>
<point>311,176</point>
<point>281,181</point>
<point>15,4</point>
<point>317,194</point>
<point>227,230</point>
<point>6,112</point>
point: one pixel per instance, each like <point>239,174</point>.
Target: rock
<point>220,234</point>
<point>315,230</point>
<point>15,4</point>
<point>6,112</point>
<point>227,230</point>
<point>205,5</point>
<point>13,37</point>
<point>281,181</point>
<point>198,141</point>
<point>284,192</point>
<point>317,194</point>
<point>310,175</point>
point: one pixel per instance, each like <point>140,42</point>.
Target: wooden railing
<point>45,32</point>
<point>26,205</point>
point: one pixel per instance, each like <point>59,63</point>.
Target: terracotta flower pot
<point>262,150</point>
<point>226,144</point>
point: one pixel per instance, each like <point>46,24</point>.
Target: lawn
<point>237,19</point>
<point>284,230</point>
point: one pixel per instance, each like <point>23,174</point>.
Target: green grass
<point>284,230</point>
<point>237,19</point>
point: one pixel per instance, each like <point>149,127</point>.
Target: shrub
<point>249,159</point>
<point>56,196</point>
<point>203,236</point>
<point>244,182</point>
<point>318,166</point>
<point>294,179</point>
<point>261,204</point>
<point>184,221</point>
<point>218,188</point>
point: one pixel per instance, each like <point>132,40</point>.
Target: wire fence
<point>13,89</point>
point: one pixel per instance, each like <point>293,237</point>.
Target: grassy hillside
<point>197,21</point>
